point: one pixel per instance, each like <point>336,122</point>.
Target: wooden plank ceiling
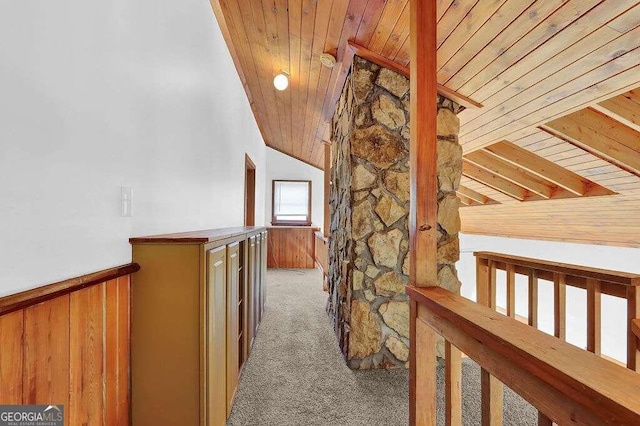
<point>560,122</point>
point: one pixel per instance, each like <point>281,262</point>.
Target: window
<point>291,202</point>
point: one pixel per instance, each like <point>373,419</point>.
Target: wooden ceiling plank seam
<point>260,56</point>
<point>494,181</point>
<point>226,30</point>
<point>441,8</point>
<point>510,172</point>
<point>540,145</point>
<point>402,55</point>
<point>281,11</point>
<point>522,25</point>
<point>509,12</point>
<point>354,16</point>
<point>390,16</point>
<point>577,90</point>
<point>614,85</point>
<point>563,18</point>
<point>306,57</point>
<point>253,80</point>
<point>319,73</point>
<point>531,70</point>
<point>580,36</point>
<point>559,150</point>
<point>369,22</point>
<point>452,18</point>
<point>539,166</point>
<point>321,24</point>
<point>277,38</point>
<point>477,17</point>
<point>266,24</point>
<point>473,195</point>
<point>596,143</point>
<point>337,21</point>
<point>295,60</point>
<point>621,109</point>
<point>398,35</point>
<point>532,136</point>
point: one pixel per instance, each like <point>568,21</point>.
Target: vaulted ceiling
<point>558,133</point>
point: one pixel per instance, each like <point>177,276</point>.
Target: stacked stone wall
<point>369,201</point>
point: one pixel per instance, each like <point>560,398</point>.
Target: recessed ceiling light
<point>328,60</point>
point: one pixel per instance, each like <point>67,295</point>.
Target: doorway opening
<point>249,191</point>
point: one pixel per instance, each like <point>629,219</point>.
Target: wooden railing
<point>595,281</point>
<point>321,255</point>
<point>566,384</point>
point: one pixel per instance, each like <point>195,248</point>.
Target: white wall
<point>99,95</point>
<point>281,166</point>
<point>614,309</point>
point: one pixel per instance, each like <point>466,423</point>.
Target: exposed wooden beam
<point>464,200</point>
<point>621,108</point>
<point>494,181</point>
<point>510,172</point>
<point>423,211</point>
<point>473,195</point>
<point>378,59</point>
<point>600,135</point>
<point>539,166</point>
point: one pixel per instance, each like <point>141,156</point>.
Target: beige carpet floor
<point>296,375</point>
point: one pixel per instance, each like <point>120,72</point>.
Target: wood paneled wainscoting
<point>68,344</point>
<point>291,247</point>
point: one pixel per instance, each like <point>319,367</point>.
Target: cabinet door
<point>233,318</point>
<point>216,333</point>
<point>251,295</point>
<point>257,288</point>
<point>264,271</point>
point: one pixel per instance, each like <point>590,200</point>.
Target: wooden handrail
<point>635,327</point>
<point>595,281</point>
<point>28,298</point>
<point>320,236</point>
<point>567,384</point>
<point>585,272</point>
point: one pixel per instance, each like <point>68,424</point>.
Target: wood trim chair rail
<point>32,297</point>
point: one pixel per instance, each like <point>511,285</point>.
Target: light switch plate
<point>126,197</point>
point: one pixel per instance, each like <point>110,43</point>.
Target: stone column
<point>369,214</point>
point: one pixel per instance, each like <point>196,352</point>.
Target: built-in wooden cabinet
<point>197,302</point>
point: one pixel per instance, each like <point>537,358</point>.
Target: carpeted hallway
<point>297,376</point>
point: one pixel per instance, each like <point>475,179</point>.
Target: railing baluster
<point>453,385</point>
<point>511,290</point>
<point>533,298</point>
<point>482,281</point>
<point>492,285</point>
<point>559,305</point>
<point>492,391</point>
<point>593,315</point>
<point>424,399</point>
<point>633,312</point>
